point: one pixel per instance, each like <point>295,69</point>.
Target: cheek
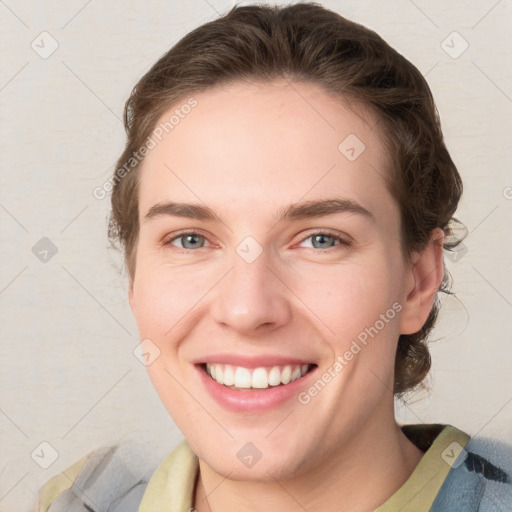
<point>346,299</point>
<point>342,299</point>
<point>166,302</point>
<point>163,296</point>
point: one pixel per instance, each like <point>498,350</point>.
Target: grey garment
<point>479,481</point>
<point>113,479</point>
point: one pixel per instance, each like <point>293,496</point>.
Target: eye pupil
<point>187,239</point>
<point>321,239</point>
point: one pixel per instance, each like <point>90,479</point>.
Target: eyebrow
<point>298,211</point>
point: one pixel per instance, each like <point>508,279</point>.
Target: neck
<point>358,477</point>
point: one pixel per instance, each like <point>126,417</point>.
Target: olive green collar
<point>172,486</point>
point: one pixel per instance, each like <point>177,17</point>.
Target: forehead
<point>249,144</point>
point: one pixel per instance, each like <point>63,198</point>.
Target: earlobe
<point>426,274</point>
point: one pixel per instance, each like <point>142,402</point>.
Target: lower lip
<point>250,400</point>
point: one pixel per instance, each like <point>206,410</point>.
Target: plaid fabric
<point>456,473</point>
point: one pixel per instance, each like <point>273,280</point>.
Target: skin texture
<point>248,150</point>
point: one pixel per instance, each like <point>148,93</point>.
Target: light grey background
<point>68,374</point>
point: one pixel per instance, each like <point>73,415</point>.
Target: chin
<point>256,462</point>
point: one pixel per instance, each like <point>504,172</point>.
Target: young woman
<point>283,202</point>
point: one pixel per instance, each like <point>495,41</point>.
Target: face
<point>263,283</point>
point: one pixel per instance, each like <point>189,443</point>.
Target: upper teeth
<point>261,377</point>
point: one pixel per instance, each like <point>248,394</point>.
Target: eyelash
<point>342,241</point>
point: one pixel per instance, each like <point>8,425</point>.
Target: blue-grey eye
<point>190,240</point>
<point>321,240</point>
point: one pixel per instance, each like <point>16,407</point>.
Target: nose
<point>252,298</point>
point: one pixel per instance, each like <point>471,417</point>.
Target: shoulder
<point>491,459</point>
<point>112,477</point>
<point>58,484</point>
<point>480,478</point>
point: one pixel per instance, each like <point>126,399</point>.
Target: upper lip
<point>247,361</point>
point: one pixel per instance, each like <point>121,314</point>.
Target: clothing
<point>456,473</point>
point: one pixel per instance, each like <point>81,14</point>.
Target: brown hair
<point>307,42</point>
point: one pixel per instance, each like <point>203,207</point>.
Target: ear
<point>422,284</point>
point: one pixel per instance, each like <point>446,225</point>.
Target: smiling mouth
<point>251,379</point>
